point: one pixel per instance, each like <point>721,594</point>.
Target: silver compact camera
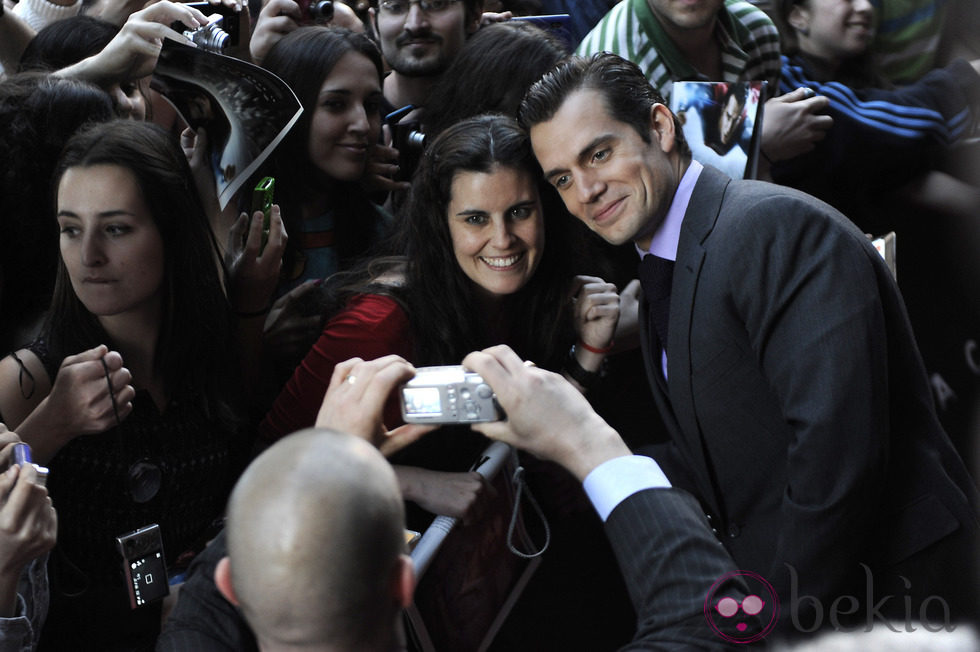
<point>443,395</point>
<point>211,37</point>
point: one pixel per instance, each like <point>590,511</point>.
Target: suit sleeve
<point>670,561</point>
<point>370,327</point>
<point>816,325</point>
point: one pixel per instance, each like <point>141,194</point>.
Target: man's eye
<point>601,155</point>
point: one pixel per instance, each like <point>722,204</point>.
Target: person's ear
<point>662,126</point>
<point>222,579</point>
<point>799,19</point>
<point>404,581</point>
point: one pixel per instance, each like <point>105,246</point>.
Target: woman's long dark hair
<point>193,351</point>
<point>38,113</point>
<point>440,298</point>
<point>303,59</point>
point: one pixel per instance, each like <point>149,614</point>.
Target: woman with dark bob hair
<point>129,395</point>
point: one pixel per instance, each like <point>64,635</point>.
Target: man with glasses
<point>418,39</point>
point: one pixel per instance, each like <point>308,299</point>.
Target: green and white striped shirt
<point>749,45</point>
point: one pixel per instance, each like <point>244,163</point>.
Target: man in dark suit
<point>786,371</point>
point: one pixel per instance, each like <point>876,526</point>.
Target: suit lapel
<point>699,220</point>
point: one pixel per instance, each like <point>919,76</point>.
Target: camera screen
<point>149,577</point>
<point>422,400</point>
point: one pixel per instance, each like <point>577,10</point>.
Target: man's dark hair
<point>627,93</point>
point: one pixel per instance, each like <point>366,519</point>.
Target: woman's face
<point>129,98</point>
<point>346,121</point>
<point>835,30</point>
<point>109,242</point>
<point>497,228</point>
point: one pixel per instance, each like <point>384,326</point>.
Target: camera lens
<point>210,37</point>
<point>321,12</point>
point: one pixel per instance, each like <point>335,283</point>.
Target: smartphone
<point>262,198</point>
<point>144,566</point>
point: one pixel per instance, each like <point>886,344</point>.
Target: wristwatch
<point>581,375</point>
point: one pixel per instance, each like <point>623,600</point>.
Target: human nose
<point>862,6</point>
<point>359,122</point>
<point>502,235</point>
<point>92,253</point>
<point>124,105</point>
<point>589,187</point>
<point>416,19</point>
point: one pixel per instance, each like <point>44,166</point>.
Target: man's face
<point>422,44</point>
<point>731,119</point>
<point>685,14</point>
<point>619,185</point>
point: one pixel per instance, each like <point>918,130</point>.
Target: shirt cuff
<point>617,479</point>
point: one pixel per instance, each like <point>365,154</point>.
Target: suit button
<point>733,531</point>
<point>709,516</point>
<point>714,531</point>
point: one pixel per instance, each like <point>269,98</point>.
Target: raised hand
<point>356,397</point>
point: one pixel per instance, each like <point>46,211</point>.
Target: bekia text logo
<point>737,617</point>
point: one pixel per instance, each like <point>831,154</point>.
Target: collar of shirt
<point>668,234</point>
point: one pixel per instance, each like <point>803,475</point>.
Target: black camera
<point>144,566</point>
<point>409,140</point>
<point>315,12</point>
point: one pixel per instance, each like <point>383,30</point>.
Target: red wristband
<point>592,349</point>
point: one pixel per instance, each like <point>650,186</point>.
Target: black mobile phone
<point>144,566</point>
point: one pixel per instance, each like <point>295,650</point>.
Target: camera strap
<point>521,488</point>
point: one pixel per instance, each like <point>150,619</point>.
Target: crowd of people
<point>724,422</point>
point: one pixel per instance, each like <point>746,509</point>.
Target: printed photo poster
<point>245,110</point>
<point>722,123</point>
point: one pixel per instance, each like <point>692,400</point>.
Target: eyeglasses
<point>401,7</point>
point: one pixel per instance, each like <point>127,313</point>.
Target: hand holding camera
<point>356,397</point>
<point>546,415</point>
<point>133,52</point>
<point>280,17</point>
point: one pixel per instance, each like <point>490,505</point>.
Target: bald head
<point>315,536</point>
